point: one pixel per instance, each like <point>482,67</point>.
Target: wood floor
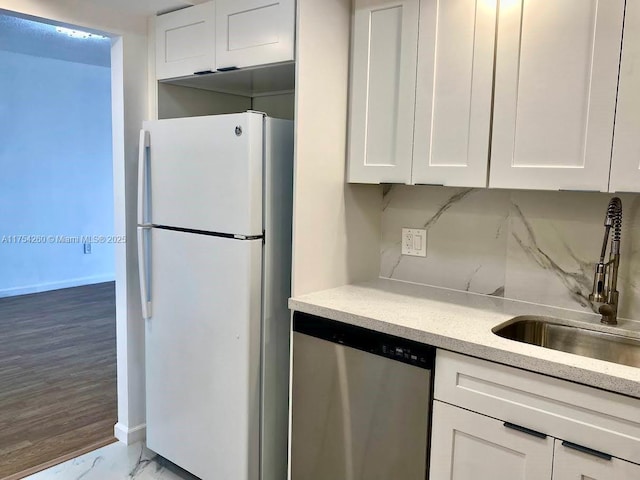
<point>57,374</point>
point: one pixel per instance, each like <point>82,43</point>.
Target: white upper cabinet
<point>535,111</point>
<point>185,41</point>
<point>453,93</point>
<point>555,93</point>
<point>383,80</point>
<point>224,34</point>
<point>625,165</point>
<point>572,464</point>
<point>254,32</point>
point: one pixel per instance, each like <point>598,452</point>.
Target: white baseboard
<point>132,435</point>
<point>45,287</point>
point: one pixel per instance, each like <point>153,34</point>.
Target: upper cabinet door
<point>625,165</point>
<point>383,81</point>
<point>556,77</point>
<point>185,41</point>
<point>453,94</point>
<point>571,464</point>
<point>254,32</point>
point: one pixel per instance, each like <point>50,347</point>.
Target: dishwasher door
<point>361,403</point>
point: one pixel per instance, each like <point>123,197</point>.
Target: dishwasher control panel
<point>377,343</point>
<point>406,354</point>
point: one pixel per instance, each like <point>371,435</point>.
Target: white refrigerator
<point>214,248</point>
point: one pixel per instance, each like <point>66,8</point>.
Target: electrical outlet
<point>87,248</point>
<point>414,242</point>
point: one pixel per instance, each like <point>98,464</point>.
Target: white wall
<point>60,185</point>
<point>130,102</point>
<point>336,227</point>
<point>175,101</point>
<point>277,106</point>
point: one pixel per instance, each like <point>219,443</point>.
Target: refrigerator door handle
<point>144,144</point>
<point>144,273</point>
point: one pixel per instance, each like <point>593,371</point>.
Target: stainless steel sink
<point>546,333</point>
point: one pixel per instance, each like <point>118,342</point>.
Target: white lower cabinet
<point>572,464</point>
<point>467,445</point>
<point>491,421</point>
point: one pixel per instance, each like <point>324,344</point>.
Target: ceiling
<point>29,37</point>
<point>144,7</point>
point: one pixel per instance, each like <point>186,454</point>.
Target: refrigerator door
<point>205,173</point>
<point>203,353</point>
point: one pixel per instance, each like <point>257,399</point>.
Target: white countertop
<point>462,322</point>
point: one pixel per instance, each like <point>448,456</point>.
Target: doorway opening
<point>57,246</point>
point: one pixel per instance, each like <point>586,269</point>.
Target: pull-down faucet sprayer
<point>605,281</point>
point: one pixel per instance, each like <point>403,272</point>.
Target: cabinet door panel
<point>385,40</point>
<point>453,92</point>
<point>185,41</point>
<point>555,93</point>
<point>467,445</point>
<point>254,32</point>
<point>569,464</point>
<point>625,165</point>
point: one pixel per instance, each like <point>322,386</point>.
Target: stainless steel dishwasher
<point>361,403</point>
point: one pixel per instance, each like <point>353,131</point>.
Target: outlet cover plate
<point>414,242</point>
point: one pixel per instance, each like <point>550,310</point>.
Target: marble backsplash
<point>534,246</point>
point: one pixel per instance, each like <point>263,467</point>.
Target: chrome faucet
<point>605,282</point>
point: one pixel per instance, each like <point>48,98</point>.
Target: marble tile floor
<point>115,462</point>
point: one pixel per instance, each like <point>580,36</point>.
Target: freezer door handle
<point>144,271</point>
<point>143,146</point>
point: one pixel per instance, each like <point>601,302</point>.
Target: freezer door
<point>203,353</point>
<point>206,173</point>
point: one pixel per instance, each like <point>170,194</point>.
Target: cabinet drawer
<point>572,464</point>
<point>597,419</point>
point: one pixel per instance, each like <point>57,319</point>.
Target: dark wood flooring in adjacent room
<point>57,374</point>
